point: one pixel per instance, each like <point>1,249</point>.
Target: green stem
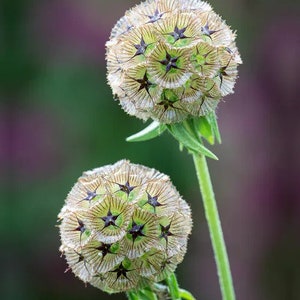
<point>173,287</point>
<point>215,229</point>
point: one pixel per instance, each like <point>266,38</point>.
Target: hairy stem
<point>215,229</point>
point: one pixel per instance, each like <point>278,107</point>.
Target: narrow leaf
<point>183,136</point>
<point>215,127</point>
<point>203,127</point>
<point>150,132</point>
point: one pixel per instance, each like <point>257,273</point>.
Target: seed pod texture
<point>171,59</point>
<point>124,226</point>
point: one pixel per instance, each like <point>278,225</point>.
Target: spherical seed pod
<point>124,226</point>
<point>171,59</point>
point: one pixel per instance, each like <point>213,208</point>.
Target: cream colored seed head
<point>171,59</point>
<point>124,226</point>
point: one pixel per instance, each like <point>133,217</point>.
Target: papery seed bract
<point>111,227</point>
<point>172,41</point>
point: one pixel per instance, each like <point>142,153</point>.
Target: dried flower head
<point>124,226</point>
<point>171,59</point>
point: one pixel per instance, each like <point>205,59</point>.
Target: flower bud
<point>171,59</point>
<point>124,226</point>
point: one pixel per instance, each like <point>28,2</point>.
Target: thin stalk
<point>173,287</point>
<point>215,229</point>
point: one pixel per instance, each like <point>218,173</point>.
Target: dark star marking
<point>144,83</point>
<point>165,232</point>
<point>110,219</point>
<point>104,249</point>
<point>157,16</point>
<point>169,62</point>
<point>136,230</point>
<point>121,270</point>
<point>141,47</point>
<point>166,103</point>
<point>90,196</point>
<point>178,34</point>
<point>126,188</point>
<point>80,258</point>
<point>206,31</point>
<point>153,201</point>
<point>81,228</point>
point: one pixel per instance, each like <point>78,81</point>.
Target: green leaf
<point>203,127</point>
<point>214,125</point>
<point>189,140</point>
<point>150,132</point>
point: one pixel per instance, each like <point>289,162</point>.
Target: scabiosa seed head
<point>124,226</point>
<point>171,59</point>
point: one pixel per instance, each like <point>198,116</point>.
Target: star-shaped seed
<point>126,188</point>
<point>109,219</point>
<point>206,31</point>
<point>121,270</point>
<point>153,201</point>
<point>81,226</point>
<point>144,83</point>
<point>105,249</point>
<point>169,62</point>
<point>90,195</point>
<point>178,34</point>
<point>141,47</point>
<point>166,103</point>
<point>136,230</point>
<point>80,258</point>
<point>165,231</point>
<point>157,15</point>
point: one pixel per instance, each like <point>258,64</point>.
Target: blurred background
<point>58,119</point>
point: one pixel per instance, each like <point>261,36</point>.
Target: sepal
<point>150,132</point>
<point>188,138</point>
